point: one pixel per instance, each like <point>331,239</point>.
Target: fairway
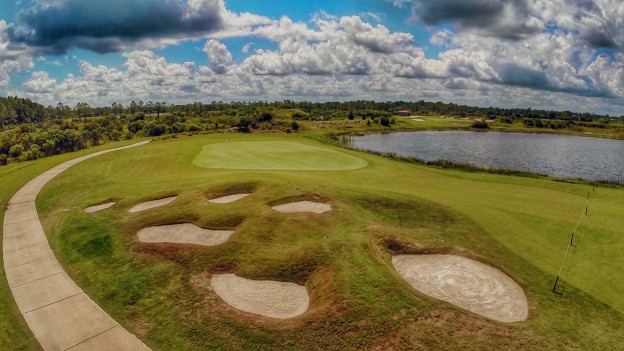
<point>275,155</point>
<point>163,291</point>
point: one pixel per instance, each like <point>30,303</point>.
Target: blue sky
<point>553,54</point>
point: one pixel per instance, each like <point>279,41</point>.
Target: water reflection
<point>555,155</point>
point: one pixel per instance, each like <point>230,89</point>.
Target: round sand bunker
<point>185,233</point>
<point>265,298</point>
<point>303,206</point>
<point>465,283</point>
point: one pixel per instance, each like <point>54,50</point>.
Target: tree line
<point>29,130</point>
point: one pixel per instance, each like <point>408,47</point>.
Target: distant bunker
<point>303,206</point>
<point>185,233</point>
<point>152,204</point>
<point>97,208</point>
<point>228,199</point>
<point>465,283</point>
<point>275,156</point>
<point>265,298</point>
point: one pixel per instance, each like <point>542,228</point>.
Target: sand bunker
<point>303,206</point>
<point>185,233</point>
<point>265,298</point>
<point>97,208</point>
<point>468,284</point>
<point>152,204</point>
<point>228,199</point>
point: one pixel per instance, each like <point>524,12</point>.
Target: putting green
<point>275,155</point>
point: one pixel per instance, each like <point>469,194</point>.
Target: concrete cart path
<point>59,313</point>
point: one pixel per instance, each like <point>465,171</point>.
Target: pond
<point>561,156</point>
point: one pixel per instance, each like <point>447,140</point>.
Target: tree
<point>6,114</point>
<point>16,151</point>
<point>133,107</point>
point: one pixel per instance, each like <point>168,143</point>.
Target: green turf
<point>275,155</point>
<point>160,292</point>
<point>14,333</point>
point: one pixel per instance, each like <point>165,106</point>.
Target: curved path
<point>59,313</point>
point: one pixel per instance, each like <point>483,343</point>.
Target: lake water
<point>554,155</point>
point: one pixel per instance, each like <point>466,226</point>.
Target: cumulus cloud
<point>147,76</point>
<point>510,19</point>
<point>549,60</point>
<point>13,58</point>
<point>218,55</point>
<point>40,83</point>
<point>597,22</point>
<point>111,26</point>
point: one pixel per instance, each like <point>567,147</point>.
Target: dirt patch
<point>152,204</point>
<point>266,298</point>
<point>303,206</point>
<point>418,120</point>
<point>185,233</point>
<point>228,199</point>
<point>465,283</point>
<point>96,208</point>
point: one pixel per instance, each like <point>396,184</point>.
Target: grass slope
<point>161,292</point>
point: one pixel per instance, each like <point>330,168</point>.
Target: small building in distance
<point>404,113</point>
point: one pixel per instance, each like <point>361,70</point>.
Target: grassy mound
<point>357,300</point>
<point>275,155</point>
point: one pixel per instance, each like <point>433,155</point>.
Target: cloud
<point>40,83</point>
<point>13,58</point>
<point>112,25</point>
<point>218,55</point>
<point>147,76</point>
<point>344,58</point>
<point>597,22</point>
<point>600,23</point>
<point>247,47</point>
<point>509,19</point>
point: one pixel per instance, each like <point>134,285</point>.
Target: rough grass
<point>161,292</point>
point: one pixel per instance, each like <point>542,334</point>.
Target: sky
<point>543,54</point>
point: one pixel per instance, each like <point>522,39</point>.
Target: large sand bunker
<point>468,284</point>
<point>92,209</point>
<point>228,199</point>
<point>303,206</point>
<point>152,204</point>
<point>265,298</point>
<point>185,233</point>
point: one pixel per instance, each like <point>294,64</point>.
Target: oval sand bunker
<point>228,199</point>
<point>468,284</point>
<point>265,298</point>
<point>185,233</point>
<point>303,206</point>
<point>152,204</point>
<point>92,209</point>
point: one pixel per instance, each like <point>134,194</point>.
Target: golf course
<point>160,236</point>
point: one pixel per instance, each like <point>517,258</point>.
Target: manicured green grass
<point>14,333</point>
<point>275,155</point>
<point>162,294</point>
